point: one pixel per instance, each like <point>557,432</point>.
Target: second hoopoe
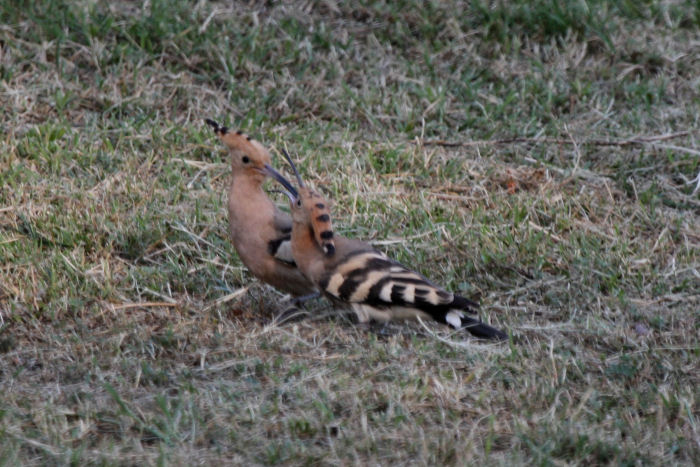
<point>260,231</point>
<point>352,273</point>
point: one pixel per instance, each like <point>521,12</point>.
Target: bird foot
<point>304,298</point>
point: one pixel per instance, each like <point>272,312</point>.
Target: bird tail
<point>481,330</point>
<point>456,318</point>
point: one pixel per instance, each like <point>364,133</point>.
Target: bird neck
<point>304,247</point>
<point>247,180</point>
<point>247,200</point>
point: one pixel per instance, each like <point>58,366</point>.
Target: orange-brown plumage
<point>260,231</point>
<point>352,273</point>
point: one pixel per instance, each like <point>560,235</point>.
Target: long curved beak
<point>289,189</point>
<point>294,168</point>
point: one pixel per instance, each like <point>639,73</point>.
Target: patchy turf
<point>541,157</point>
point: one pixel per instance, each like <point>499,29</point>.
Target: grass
<point>538,156</point>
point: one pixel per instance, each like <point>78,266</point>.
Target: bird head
<point>248,156</point>
<point>309,210</point>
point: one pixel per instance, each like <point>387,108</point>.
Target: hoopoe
<point>260,231</point>
<point>352,273</point>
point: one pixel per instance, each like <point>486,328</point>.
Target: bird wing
<point>376,286</point>
<point>280,247</point>
<point>371,278</point>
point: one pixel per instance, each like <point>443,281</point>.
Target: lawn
<point>541,157</point>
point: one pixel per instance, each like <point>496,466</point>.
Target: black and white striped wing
<point>371,278</point>
<point>377,287</point>
<point>281,246</point>
<point>281,249</point>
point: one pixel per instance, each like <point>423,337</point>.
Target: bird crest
<point>317,208</point>
<point>238,140</point>
<point>320,220</point>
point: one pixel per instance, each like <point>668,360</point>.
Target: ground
<point>539,157</point>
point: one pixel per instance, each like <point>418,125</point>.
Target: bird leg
<point>304,298</point>
<point>295,312</point>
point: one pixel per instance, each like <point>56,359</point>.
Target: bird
<point>353,274</point>
<point>259,230</point>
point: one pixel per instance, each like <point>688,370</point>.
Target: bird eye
<point>299,202</point>
<point>245,159</point>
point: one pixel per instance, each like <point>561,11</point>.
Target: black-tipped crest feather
<point>217,128</point>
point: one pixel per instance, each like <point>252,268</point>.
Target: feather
<point>260,231</point>
<point>355,275</point>
<point>379,288</point>
<point>281,250</point>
